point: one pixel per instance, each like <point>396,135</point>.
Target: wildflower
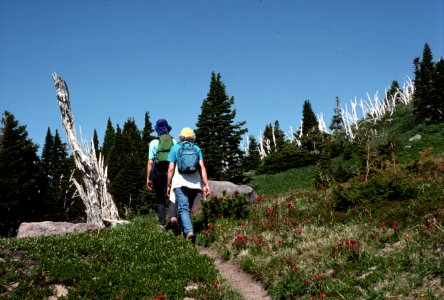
<point>394,224</point>
<point>289,204</point>
<point>117,297</point>
<point>216,284</point>
<point>159,297</point>
<point>298,232</point>
<point>295,268</point>
<point>91,292</point>
<point>322,295</point>
<point>259,198</point>
<point>219,215</point>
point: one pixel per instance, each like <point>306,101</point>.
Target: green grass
<point>383,243</point>
<point>281,183</point>
<point>135,261</point>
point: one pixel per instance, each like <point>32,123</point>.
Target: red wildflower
<point>295,268</point>
<point>91,292</point>
<point>394,224</point>
<point>159,297</point>
<point>322,295</point>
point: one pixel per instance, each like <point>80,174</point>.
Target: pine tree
<point>309,120</point>
<point>439,88</point>
<point>216,134</point>
<point>424,106</point>
<point>337,122</point>
<point>279,136</point>
<point>108,140</point>
<point>274,135</point>
<point>46,160</point>
<point>252,160</point>
<point>20,178</point>
<point>311,135</point>
<point>61,187</point>
<point>127,167</point>
<point>95,142</point>
<point>147,137</point>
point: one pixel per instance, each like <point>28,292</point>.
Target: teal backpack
<point>187,158</point>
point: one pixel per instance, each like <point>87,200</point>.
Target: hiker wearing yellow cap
<point>187,176</point>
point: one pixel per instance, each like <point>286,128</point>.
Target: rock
<point>221,188</point>
<point>415,138</point>
<point>33,229</point>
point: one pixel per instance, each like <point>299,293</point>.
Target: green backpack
<point>164,147</point>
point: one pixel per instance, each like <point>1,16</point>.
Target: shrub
<point>235,206</point>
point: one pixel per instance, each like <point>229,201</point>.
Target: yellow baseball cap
<point>187,132</point>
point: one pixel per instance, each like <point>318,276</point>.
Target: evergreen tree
<point>20,179</point>
<point>312,138</point>
<point>95,142</point>
<point>46,160</point>
<point>337,122</point>
<point>394,89</point>
<point>108,140</point>
<point>425,107</point>
<point>279,136</point>
<point>147,137</point>
<point>252,160</point>
<point>439,88</point>
<point>129,173</point>
<point>216,134</point>
<point>61,188</point>
<point>274,135</point>
<point>309,120</point>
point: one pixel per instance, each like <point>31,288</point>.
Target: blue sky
<point>122,58</point>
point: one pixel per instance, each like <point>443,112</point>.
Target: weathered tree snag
<point>99,204</point>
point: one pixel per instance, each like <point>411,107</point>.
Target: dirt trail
<point>238,279</point>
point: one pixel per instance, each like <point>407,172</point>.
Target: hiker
<point>157,169</point>
<point>187,176</point>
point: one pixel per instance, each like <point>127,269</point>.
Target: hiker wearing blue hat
<point>157,171</point>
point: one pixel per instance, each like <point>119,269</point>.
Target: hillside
<point>373,234</point>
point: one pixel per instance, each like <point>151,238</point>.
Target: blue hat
<point>162,127</point>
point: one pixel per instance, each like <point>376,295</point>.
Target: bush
<point>288,158</point>
<point>235,206</point>
<point>381,185</point>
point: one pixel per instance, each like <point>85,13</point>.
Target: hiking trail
<point>238,279</point>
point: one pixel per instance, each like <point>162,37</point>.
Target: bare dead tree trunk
<point>94,193</point>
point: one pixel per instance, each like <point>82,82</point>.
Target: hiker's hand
<point>168,191</point>
<point>149,184</point>
<point>207,191</point>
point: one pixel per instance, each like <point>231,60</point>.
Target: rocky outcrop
<point>33,229</point>
<point>227,188</point>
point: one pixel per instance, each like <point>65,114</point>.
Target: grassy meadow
<point>378,236</point>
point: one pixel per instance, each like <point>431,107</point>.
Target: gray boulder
<point>33,229</point>
<point>415,138</point>
<point>221,188</point>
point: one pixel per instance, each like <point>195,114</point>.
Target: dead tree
<point>99,204</point>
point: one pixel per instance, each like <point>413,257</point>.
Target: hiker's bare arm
<point>171,168</point>
<point>149,183</point>
<point>203,175</point>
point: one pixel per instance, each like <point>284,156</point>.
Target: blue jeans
<point>185,200</point>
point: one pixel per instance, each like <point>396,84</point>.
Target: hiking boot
<point>190,236</point>
<point>173,221</point>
